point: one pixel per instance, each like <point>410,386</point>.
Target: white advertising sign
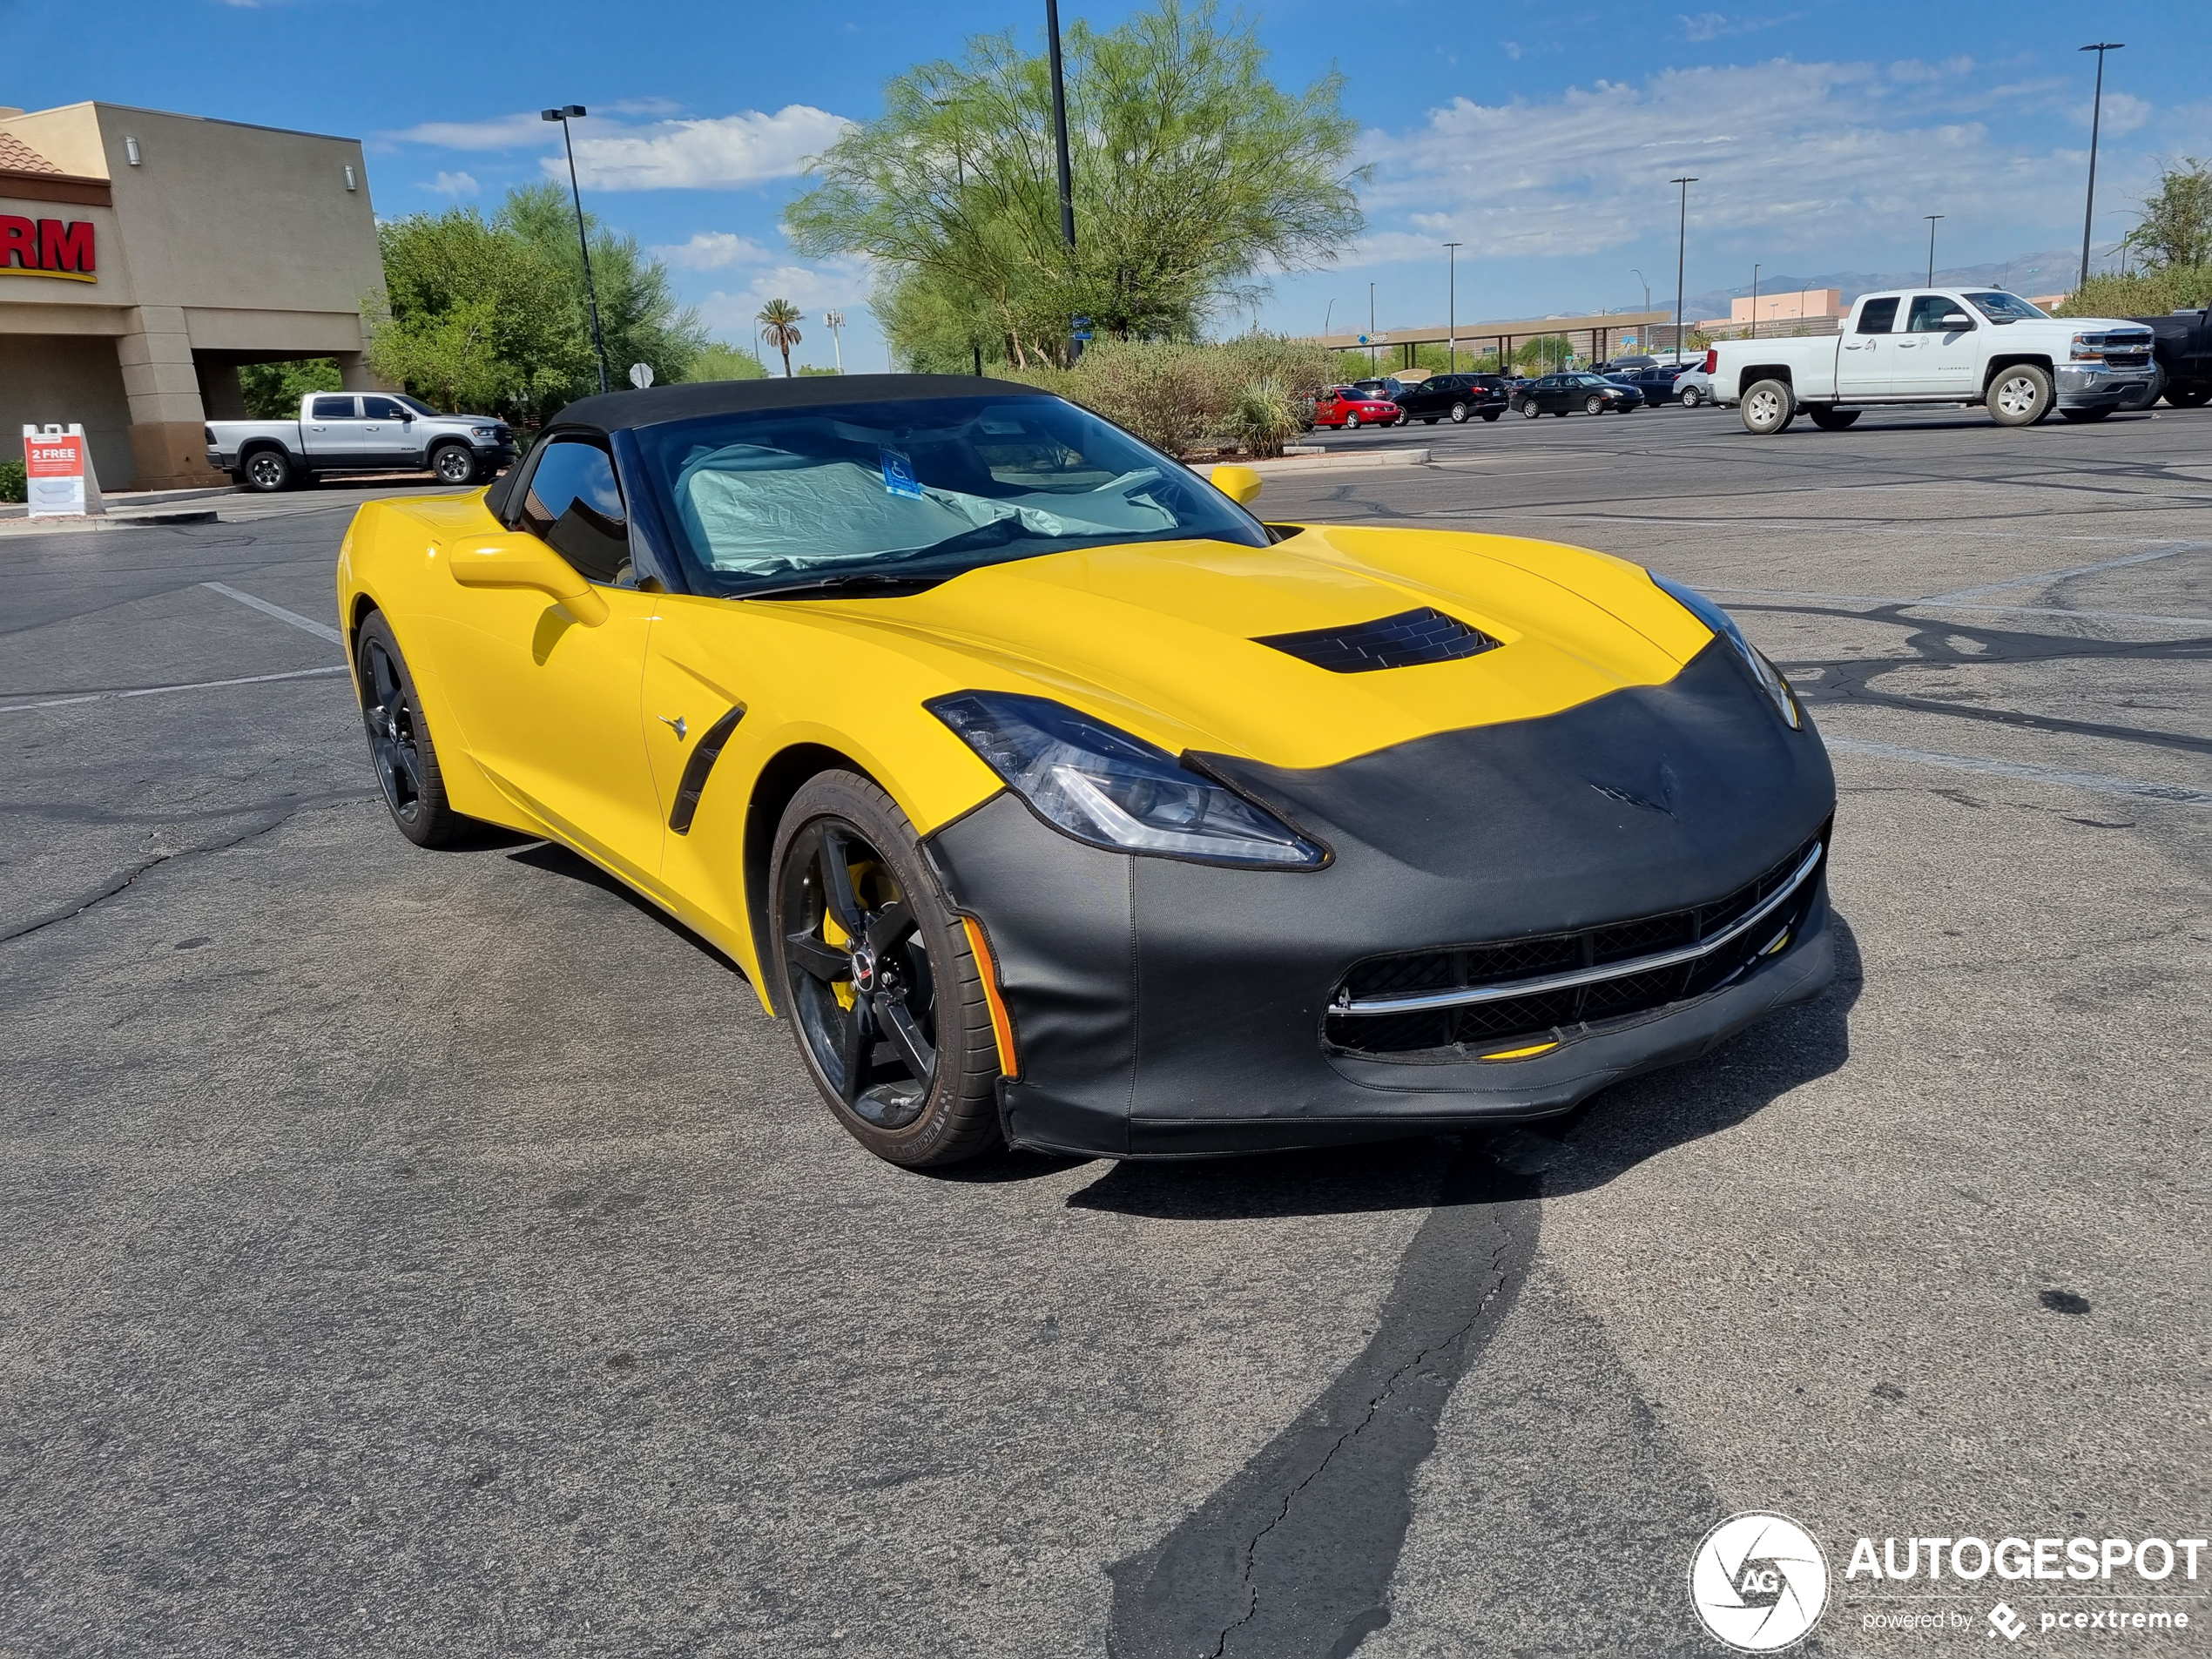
<point>57,465</point>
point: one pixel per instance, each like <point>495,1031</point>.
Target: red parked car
<point>1346,406</point>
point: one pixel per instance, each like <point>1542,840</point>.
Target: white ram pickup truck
<point>359,432</point>
<point>1937,346</point>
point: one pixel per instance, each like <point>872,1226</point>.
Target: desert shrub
<point>2146,294</point>
<point>1265,418</point>
<point>14,485</point>
<point>1177,394</point>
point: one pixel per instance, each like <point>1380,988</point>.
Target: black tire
<point>1458,415</point>
<point>1560,414</point>
<point>1834,420</point>
<point>399,740</point>
<point>1529,410</point>
<point>1690,399</point>
<point>1492,414</point>
<point>1769,407</point>
<point>2189,397</point>
<point>1350,422</point>
<point>856,988</point>
<point>456,465</point>
<point>2085,417</point>
<point>1593,404</point>
<point>2019,395</point>
<point>268,471</point>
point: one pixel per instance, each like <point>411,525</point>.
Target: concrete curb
<point>21,528</point>
<point>1297,466</point>
<point>124,500</point>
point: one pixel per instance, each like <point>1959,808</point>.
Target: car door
<point>1862,356</point>
<point>552,707</point>
<point>1939,354</point>
<point>387,432</point>
<point>332,433</point>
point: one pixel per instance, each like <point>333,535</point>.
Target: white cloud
<point>812,288</point>
<point>1712,25</point>
<point>1807,155</point>
<point>725,153</point>
<point>501,133</point>
<point>453,183</point>
<point>714,251</point>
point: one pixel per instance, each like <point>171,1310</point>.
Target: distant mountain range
<point>2052,271</point>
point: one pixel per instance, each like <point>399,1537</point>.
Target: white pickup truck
<point>1936,346</point>
<point>359,432</point>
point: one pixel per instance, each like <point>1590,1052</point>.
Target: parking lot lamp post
<point>1370,328</point>
<point>1682,247</point>
<point>1060,143</point>
<point>1452,307</point>
<point>1932,219</point>
<point>834,320</point>
<point>2096,115</point>
<point>591,294</point>
<point>1755,301</point>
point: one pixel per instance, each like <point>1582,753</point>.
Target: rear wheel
<point>399,740</point>
<point>268,470</point>
<point>1690,399</point>
<point>2020,395</point>
<point>884,994</point>
<point>1458,415</point>
<point>2084,417</point>
<point>1492,414</point>
<point>1530,409</point>
<point>1833,419</point>
<point>1768,408</point>
<point>2189,397</point>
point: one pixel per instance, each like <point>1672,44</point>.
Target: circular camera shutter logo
<point>1759,1582</point>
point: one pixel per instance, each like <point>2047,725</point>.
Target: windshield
<point>916,489</point>
<point>2008,308</point>
<point>416,404</point>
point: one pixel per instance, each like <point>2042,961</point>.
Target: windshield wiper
<point>851,582</point>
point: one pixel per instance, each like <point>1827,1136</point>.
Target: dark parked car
<point>1384,386</point>
<point>2181,348</point>
<point>1655,380</point>
<point>1460,398</point>
<point>1563,394</point>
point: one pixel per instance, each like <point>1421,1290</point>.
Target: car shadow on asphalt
<point>556,860</point>
<point>1608,1134</point>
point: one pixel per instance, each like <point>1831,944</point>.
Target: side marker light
<point>987,969</point>
<point>1521,1054</point>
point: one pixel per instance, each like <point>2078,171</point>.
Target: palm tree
<point>779,321</point>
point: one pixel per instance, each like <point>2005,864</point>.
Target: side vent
<point>1406,640</point>
<point>697,768</point>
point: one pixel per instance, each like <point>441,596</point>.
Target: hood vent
<point>1406,640</point>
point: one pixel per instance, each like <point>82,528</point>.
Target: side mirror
<point>518,560</point>
<point>1241,484</point>
<point>1958,319</point>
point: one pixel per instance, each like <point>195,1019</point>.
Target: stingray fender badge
<point>1668,788</point>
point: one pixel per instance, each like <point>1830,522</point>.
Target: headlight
<point>1768,676</point>
<point>2088,348</point>
<point>1104,786</point>
<point>483,432</point>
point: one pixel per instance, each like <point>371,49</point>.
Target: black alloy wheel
<point>879,981</point>
<point>268,470</point>
<point>456,464</point>
<point>399,740</point>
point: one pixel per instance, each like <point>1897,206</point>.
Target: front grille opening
<point>1406,640</point>
<point>1471,1029</point>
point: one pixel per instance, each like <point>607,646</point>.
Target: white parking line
<point>2103,783</point>
<point>158,691</point>
<point>320,629</point>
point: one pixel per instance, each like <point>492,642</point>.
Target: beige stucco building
<point>145,256</point>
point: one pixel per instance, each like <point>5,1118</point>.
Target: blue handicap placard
<point>898,475</point>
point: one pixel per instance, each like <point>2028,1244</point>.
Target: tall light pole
<point>1681,253</point>
<point>1371,329</point>
<point>2096,118</point>
<point>1932,219</point>
<point>834,320</point>
<point>1452,307</point>
<point>591,296</point>
<point>1755,302</point>
<point>1060,146</point>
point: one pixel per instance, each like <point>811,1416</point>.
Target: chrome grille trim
<point>1417,1001</point>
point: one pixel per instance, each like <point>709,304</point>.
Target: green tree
<point>274,390</point>
<point>779,321</point>
<point>640,318</point>
<point>2177,225</point>
<point>718,361</point>
<point>1192,173</point>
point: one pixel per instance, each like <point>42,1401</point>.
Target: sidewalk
<point>120,499</point>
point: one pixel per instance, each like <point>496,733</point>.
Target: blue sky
<point>1541,135</point>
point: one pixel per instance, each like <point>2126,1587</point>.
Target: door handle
<point>675,724</point>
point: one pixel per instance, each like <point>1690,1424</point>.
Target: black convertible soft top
<point>611,411</point>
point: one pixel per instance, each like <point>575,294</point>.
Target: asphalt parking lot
<point>414,1252</point>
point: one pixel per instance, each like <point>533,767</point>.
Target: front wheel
<point>1593,404</point>
<point>2084,417</point>
<point>2020,395</point>
<point>1491,414</point>
<point>884,993</point>
<point>399,739</point>
<point>1769,407</point>
<point>456,465</point>
<point>1834,420</point>
<point>1350,422</point>
<point>2189,397</point>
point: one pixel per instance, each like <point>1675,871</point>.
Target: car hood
<point>1162,638</point>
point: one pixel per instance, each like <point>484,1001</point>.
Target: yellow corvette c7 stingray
<point>1053,797</point>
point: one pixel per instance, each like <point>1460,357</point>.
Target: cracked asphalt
<point>439,1253</point>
